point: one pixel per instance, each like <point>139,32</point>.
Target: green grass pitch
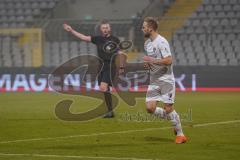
<point>30,130</point>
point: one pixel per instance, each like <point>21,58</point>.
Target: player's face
<point>146,30</point>
<point>105,29</point>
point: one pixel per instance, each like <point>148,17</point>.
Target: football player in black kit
<point>104,77</point>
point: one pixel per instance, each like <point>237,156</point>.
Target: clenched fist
<point>67,27</point>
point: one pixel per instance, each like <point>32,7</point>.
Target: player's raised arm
<point>83,37</point>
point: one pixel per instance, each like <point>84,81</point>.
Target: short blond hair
<point>151,22</point>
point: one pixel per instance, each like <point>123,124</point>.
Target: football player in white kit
<point>162,83</point>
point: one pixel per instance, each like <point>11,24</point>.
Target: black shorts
<point>105,76</point>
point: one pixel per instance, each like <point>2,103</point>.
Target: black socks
<point>108,100</point>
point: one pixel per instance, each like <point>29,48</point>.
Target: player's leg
<point>154,109</point>
<point>167,97</point>
<point>165,92</point>
<point>173,116</point>
<point>104,87</point>
<point>152,98</point>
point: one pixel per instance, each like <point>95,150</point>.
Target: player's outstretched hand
<point>67,27</point>
<point>148,59</point>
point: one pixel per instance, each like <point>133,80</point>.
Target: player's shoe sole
<point>181,139</point>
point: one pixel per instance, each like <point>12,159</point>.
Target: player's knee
<point>168,108</point>
<point>103,89</point>
<point>150,108</point>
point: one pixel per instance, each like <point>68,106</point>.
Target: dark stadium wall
<point>99,9</point>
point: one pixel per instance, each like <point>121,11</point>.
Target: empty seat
<point>212,62</point>
<point>233,22</point>
<point>193,37</point>
<point>221,14</point>
<point>28,12</point>
<point>211,37</point>
<point>19,11</point>
<point>223,2</point>
<point>202,14</point>
<point>35,5</point>
<point>3,12</point>
<point>211,55</point>
<point>230,14</point>
<point>11,12</point>
<point>218,7</point>
<point>202,62</point>
<point>223,62</point>
<point>212,14</point>
<point>236,8</point>
<point>182,62</point>
<point>230,55</point>
<point>10,5</point>
<point>36,11</point>
<point>215,22</point>
<point>26,5</point>
<point>233,62</point>
<point>43,5</point>
<point>221,36</point>
<point>51,4</point>
<point>227,8</point>
<point>20,18</point>
<point>18,5</point>
<point>192,62</point>
<point>231,36</point>
<point>208,8</point>
<point>233,2</point>
<point>205,22</point>
<point>196,22</point>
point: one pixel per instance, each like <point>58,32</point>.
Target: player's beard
<point>106,34</point>
<point>147,35</point>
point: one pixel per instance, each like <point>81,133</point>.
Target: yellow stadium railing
<point>30,40</point>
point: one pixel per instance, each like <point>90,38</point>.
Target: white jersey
<point>159,48</point>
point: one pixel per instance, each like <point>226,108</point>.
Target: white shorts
<point>164,92</point>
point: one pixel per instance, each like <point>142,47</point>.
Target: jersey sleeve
<point>95,39</point>
<point>165,49</point>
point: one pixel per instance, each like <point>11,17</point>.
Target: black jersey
<point>99,41</point>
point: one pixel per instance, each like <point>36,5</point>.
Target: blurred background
<point>204,36</point>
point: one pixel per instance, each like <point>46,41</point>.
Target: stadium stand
<point>23,13</point>
<point>210,36</point>
<point>60,47</point>
<point>56,53</point>
<point>206,33</point>
<point>137,22</point>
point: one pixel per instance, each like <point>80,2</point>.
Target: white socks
<point>161,113</point>
<point>173,117</point>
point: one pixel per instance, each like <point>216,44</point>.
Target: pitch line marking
<point>68,156</point>
<point>117,132</point>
